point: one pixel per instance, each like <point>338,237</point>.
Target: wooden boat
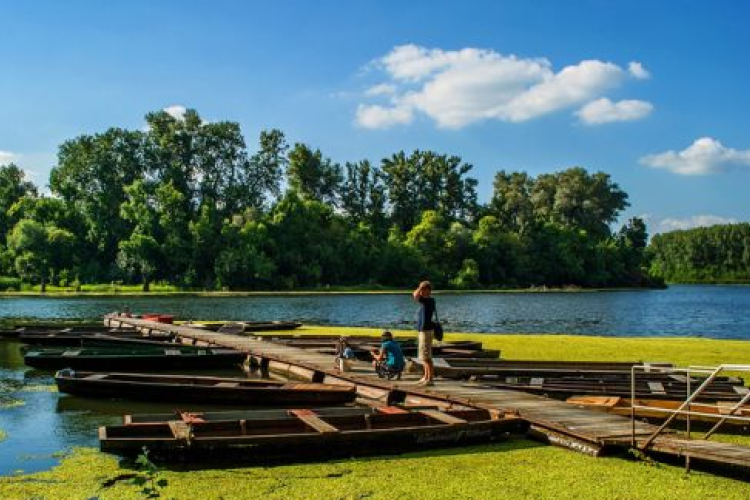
<point>658,387</point>
<point>249,326</point>
<point>219,390</point>
<point>706,413</point>
<point>224,416</point>
<point>305,434</point>
<point>480,367</point>
<point>124,338</point>
<point>139,359</point>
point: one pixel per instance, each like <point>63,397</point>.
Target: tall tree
<point>312,176</point>
<point>13,187</point>
<point>576,199</point>
<point>428,181</point>
<point>363,197</point>
<point>40,250</point>
<point>267,167</point>
<point>140,252</point>
<point>91,175</point>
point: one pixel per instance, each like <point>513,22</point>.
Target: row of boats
<point>121,363</point>
<point>310,420</point>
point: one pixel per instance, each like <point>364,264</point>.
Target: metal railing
<point>712,373</point>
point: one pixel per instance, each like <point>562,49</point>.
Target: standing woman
<point>426,327</point>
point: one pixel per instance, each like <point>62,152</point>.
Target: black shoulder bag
<point>437,330</point>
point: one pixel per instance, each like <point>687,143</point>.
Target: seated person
<point>390,354</point>
<point>343,352</point>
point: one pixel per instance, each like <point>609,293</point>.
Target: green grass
<point>517,469</point>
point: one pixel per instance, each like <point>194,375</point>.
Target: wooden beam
<point>442,417</point>
<point>180,430</point>
<point>313,421</point>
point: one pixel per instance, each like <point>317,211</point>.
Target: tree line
<point>718,253</point>
<point>186,202</point>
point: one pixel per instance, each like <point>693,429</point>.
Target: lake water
<point>46,423</point>
<point>702,311</point>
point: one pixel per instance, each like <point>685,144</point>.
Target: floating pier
<point>556,422</point>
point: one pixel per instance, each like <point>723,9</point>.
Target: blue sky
<point>652,92</point>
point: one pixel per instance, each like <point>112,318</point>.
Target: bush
<point>10,283</point>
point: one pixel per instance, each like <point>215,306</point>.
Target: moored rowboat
<point>217,390</point>
<point>151,359</point>
<point>305,433</point>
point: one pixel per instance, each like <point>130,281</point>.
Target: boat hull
<point>207,390</point>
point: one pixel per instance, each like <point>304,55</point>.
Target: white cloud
<point>176,111</point>
<point>457,88</point>
<point>705,156</point>
<point>637,70</point>
<point>605,111</point>
<point>8,157</point>
<point>381,89</point>
<point>375,116</point>
<point>672,224</point>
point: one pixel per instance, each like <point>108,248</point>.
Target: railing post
<point>736,407</point>
<point>632,406</point>
<point>687,402</point>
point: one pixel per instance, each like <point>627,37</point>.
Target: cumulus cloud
<point>382,117</point>
<point>605,111</point>
<point>705,156</point>
<point>637,70</point>
<point>8,157</point>
<point>673,224</point>
<point>381,89</point>
<point>457,88</point>
<point>176,111</point>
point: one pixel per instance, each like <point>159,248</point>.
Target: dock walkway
<point>557,422</point>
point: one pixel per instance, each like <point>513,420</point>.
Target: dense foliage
<point>185,202</point>
<point>706,254</point>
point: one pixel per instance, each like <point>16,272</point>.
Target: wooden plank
<point>442,417</point>
<point>314,421</point>
<point>180,430</point>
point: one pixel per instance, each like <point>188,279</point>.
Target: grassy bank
<point>517,469</point>
<point>169,290</point>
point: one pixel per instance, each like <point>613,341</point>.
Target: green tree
<point>91,175</point>
<point>312,176</point>
<point>243,260</point>
<point>363,196</point>
<point>428,181</point>
<point>40,250</point>
<point>13,187</point>
<point>140,253</point>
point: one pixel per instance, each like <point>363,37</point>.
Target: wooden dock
<point>556,422</point>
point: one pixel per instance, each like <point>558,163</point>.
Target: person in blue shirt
<point>390,352</point>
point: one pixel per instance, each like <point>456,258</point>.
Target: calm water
<point>703,311</point>
<point>47,423</point>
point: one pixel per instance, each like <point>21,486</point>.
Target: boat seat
<point>442,417</point>
<point>71,353</point>
<point>96,376</point>
<point>656,388</point>
<point>314,421</point>
<point>180,429</point>
<point>226,384</point>
<point>172,352</point>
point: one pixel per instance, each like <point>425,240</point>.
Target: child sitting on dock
<point>389,360</point>
<point>344,352</point>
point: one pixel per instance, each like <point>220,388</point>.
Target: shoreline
<point>302,293</point>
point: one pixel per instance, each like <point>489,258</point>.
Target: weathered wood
<point>553,421</point>
<point>442,417</point>
<point>314,421</point>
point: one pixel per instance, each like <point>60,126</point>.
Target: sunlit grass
<point>518,469</point>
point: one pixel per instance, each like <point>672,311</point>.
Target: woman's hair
<point>387,334</point>
<point>426,284</point>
